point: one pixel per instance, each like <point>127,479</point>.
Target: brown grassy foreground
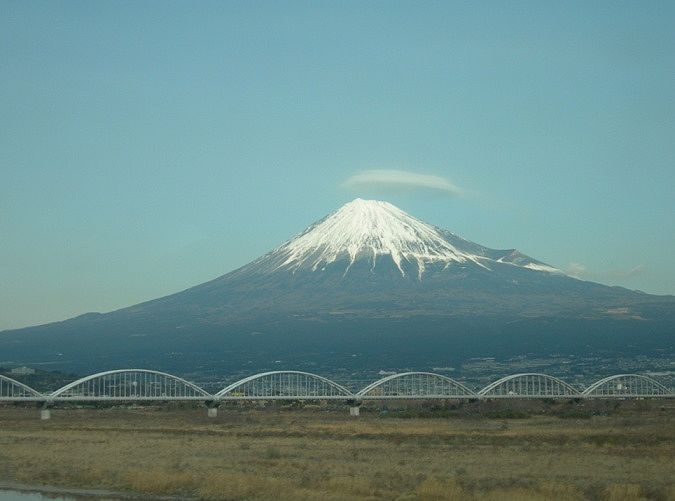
<point>315,453</point>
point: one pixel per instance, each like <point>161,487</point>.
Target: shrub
<point>161,481</point>
<point>272,453</point>
<point>238,486</point>
<point>433,489</point>
<point>623,492</point>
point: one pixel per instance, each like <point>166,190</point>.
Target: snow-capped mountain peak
<point>375,230</point>
<point>370,229</point>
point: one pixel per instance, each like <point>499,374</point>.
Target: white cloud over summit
<point>401,179</point>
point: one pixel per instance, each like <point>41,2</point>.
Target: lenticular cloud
<point>389,178</point>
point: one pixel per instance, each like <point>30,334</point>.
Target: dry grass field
<point>321,453</point>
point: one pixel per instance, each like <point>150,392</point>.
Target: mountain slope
<point>367,280</point>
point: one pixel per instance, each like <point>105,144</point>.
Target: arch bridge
<point>149,385</point>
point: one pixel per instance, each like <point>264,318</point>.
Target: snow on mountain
<point>373,230</point>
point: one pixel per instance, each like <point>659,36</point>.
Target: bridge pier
<point>354,408</point>
<point>212,409</point>
<point>45,411</point>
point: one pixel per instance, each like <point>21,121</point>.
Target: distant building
<point>22,371</point>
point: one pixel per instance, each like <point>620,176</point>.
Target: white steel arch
<point>11,389</point>
<point>627,385</point>
<point>150,385</point>
<point>529,384</point>
<point>131,384</point>
<point>285,385</point>
<point>415,385</point>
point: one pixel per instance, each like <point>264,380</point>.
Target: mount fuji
<point>370,285</point>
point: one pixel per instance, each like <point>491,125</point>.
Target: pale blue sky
<point>149,146</point>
